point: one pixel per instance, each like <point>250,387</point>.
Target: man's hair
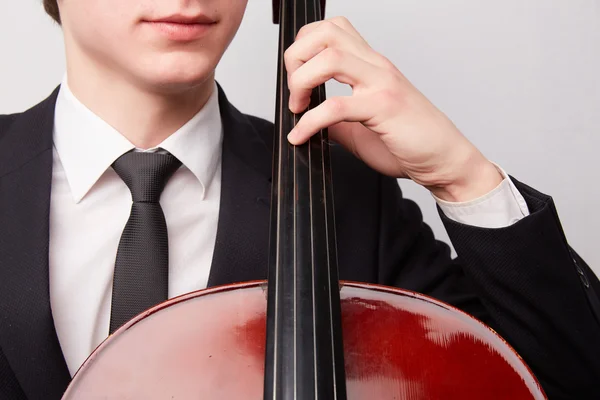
<point>51,7</point>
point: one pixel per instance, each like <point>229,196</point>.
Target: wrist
<point>478,179</point>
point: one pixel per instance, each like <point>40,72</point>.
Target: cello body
<point>210,344</point>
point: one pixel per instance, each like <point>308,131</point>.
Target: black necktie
<point>142,265</point>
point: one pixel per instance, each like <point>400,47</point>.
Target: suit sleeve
<point>523,280</point>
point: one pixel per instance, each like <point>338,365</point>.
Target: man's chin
<point>178,84</point>
<point>175,71</point>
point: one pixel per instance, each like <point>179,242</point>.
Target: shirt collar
<point>87,145</point>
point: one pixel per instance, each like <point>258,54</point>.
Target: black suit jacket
<point>523,280</point>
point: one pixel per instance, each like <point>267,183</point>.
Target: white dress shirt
<point>90,205</point>
<point>501,207</point>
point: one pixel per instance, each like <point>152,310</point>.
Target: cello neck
<point>304,352</point>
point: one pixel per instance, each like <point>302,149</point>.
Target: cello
<point>303,333</point>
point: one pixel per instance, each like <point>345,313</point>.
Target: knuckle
<point>294,81</point>
<point>388,79</point>
<point>386,63</point>
<point>288,56</point>
<point>395,74</point>
<point>336,105</point>
<point>328,27</point>
<point>342,20</point>
<point>303,29</point>
<point>333,56</point>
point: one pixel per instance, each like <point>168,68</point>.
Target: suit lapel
<point>241,249</point>
<point>27,333</point>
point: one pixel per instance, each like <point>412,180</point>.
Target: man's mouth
<point>182,28</point>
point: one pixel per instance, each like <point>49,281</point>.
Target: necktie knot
<point>146,174</point>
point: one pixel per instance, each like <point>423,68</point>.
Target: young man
<point>140,107</point>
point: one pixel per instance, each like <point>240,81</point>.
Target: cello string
<point>295,202</point>
<point>324,148</point>
<point>312,239</point>
<point>279,200</point>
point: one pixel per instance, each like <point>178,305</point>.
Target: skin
<point>131,74</point>
<point>147,85</point>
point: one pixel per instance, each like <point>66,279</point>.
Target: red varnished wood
<point>397,345</point>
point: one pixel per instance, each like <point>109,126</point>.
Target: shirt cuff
<point>501,207</point>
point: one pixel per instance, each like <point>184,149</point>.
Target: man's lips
<point>185,19</point>
<point>182,28</point>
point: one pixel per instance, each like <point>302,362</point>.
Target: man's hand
<point>386,122</point>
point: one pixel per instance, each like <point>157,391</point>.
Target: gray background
<point>520,78</point>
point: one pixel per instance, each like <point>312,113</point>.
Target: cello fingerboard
<point>304,352</point>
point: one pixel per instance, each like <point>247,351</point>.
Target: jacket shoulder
<point>35,114</point>
<point>26,135</point>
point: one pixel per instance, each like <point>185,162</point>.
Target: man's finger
<point>340,21</point>
<point>332,111</point>
<point>322,37</point>
<point>329,64</point>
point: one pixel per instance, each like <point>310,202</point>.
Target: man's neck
<point>145,117</point>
